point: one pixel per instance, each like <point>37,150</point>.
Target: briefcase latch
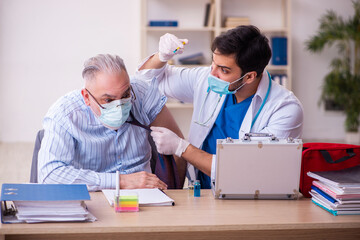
<point>256,195</point>
<point>217,193</point>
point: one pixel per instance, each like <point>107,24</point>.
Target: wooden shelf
<point>264,30</point>
<point>277,67</point>
<point>178,29</point>
<point>272,17</point>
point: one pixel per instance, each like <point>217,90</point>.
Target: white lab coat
<point>282,114</point>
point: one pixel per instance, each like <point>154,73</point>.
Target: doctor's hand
<point>167,142</point>
<point>141,180</point>
<point>169,45</point>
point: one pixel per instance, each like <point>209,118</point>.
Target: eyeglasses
<point>132,97</point>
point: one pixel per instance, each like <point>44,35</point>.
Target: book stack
<point>34,203</point>
<point>232,22</point>
<point>338,192</point>
<point>163,23</point>
<point>280,79</point>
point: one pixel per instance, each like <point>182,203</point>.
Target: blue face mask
<point>222,87</point>
<point>114,114</point>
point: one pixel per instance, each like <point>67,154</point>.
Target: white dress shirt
<point>77,148</point>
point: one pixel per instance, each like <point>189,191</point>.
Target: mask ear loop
<point>240,85</point>
<point>238,88</point>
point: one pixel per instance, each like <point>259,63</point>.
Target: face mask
<point>115,113</point>
<point>222,87</point>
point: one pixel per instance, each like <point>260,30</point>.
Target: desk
<point>198,218</point>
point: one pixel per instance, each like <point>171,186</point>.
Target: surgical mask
<point>222,87</point>
<point>115,113</point>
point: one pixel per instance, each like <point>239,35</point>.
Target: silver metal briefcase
<point>258,166</point>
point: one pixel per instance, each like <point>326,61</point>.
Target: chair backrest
<point>34,163</point>
<point>163,166</point>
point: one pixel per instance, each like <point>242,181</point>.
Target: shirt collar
<point>263,86</point>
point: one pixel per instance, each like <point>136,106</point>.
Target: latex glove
<point>167,142</point>
<point>169,45</point>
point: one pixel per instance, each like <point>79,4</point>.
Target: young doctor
<point>234,96</point>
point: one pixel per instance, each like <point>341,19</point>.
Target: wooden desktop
<point>198,218</point>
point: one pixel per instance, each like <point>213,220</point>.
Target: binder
<point>279,49</point>
<point>40,194</point>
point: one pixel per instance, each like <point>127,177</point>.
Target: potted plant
<point>342,83</point>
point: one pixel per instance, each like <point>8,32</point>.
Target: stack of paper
<point>147,197</point>
<point>337,191</point>
<point>32,203</point>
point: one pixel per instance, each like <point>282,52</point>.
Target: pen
<point>179,47</point>
<point>117,193</point>
<point>117,183</point>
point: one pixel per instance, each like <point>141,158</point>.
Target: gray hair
<point>102,63</point>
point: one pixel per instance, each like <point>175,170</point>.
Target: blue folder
<point>44,192</point>
<point>279,50</point>
<point>38,192</point>
<point>325,195</point>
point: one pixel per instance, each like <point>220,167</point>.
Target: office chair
<point>163,166</point>
<point>34,163</point>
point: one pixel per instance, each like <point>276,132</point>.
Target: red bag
<point>319,157</point>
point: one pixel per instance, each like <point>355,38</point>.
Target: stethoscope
<point>206,123</point>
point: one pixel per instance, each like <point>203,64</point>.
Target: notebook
<point>147,197</point>
<point>257,169</point>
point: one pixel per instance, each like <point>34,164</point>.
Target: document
<point>338,192</point>
<point>33,203</point>
<point>335,209</point>
<point>147,196</point>
<point>346,178</point>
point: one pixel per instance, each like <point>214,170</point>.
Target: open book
<point>147,197</point>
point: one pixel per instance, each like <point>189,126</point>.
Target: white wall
<point>310,69</point>
<point>43,44</point>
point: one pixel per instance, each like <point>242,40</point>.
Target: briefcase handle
<point>248,136</point>
<point>329,159</point>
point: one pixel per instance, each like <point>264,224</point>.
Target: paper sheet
<point>147,197</point>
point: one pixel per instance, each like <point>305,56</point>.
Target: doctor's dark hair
<point>102,63</point>
<point>251,48</point>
